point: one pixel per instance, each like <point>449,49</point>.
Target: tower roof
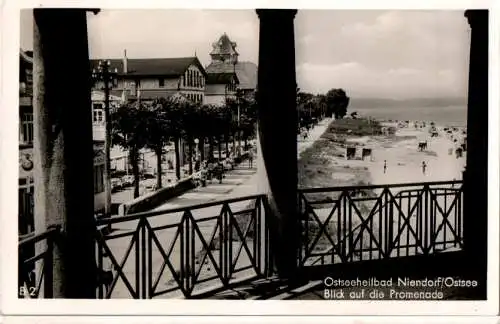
<point>224,46</point>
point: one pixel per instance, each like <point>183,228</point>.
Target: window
<point>98,178</point>
<point>98,113</point>
<point>27,128</point>
<point>183,80</point>
<point>161,83</point>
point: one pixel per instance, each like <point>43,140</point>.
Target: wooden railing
<point>35,264</point>
<point>349,224</point>
<point>184,252</point>
<point>195,251</point>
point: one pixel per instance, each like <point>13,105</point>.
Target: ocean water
<point>445,115</point>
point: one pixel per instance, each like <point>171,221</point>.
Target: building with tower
<point>225,63</point>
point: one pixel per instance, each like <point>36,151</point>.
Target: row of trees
<point>311,108</point>
<point>137,125</point>
<point>140,124</point>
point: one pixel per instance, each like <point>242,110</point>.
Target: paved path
<point>314,134</point>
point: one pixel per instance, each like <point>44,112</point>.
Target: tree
<point>192,122</point>
<point>247,107</point>
<point>171,112</point>
<point>160,131</point>
<point>337,102</point>
<point>130,128</point>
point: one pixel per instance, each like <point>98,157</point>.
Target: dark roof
<point>245,71</point>
<point>168,67</point>
<point>221,78</point>
<point>224,46</point>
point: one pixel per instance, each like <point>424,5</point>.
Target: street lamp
<point>238,94</point>
<point>108,77</point>
<point>197,154</point>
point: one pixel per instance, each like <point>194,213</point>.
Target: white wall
<point>99,132</point>
<point>218,100</point>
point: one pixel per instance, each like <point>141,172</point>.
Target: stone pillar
<point>63,147</point>
<point>277,134</point>
<point>475,176</point>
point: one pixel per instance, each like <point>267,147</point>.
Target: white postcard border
<point>10,305</point>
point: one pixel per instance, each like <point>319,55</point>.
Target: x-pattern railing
<point>192,253</point>
<point>197,250</point>
<point>383,222</point>
<point>35,264</point>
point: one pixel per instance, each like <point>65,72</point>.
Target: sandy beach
<point>325,165</point>
<point>404,161</point>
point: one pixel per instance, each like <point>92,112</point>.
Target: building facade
<point>225,60</point>
<point>98,113</point>
<point>220,87</point>
<point>148,79</point>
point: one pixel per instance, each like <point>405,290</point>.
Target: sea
<point>441,115</point>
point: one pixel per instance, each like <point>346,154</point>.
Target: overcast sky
<point>369,53</point>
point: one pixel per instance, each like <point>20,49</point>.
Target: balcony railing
<point>195,251</point>
<point>35,264</point>
<point>349,224</point>
<point>184,252</point>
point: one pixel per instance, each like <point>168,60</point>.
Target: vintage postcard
<point>233,159</point>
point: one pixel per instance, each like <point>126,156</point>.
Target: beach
<point>399,151</point>
<point>404,161</point>
<point>325,165</point>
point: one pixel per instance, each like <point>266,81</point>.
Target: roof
<point>245,71</point>
<point>168,67</point>
<point>221,78</point>
<point>224,46</point>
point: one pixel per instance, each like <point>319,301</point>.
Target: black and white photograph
<point>253,154</point>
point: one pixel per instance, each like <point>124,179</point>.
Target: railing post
<point>143,251</point>
<point>48,281</point>
<point>277,166</point>
<point>63,164</point>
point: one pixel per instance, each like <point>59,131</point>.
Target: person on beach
<point>385,166</point>
<point>424,167</point>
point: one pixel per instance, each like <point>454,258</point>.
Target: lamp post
<point>238,94</point>
<point>108,77</point>
<point>197,142</point>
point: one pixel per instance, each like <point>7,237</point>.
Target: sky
<point>369,53</point>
